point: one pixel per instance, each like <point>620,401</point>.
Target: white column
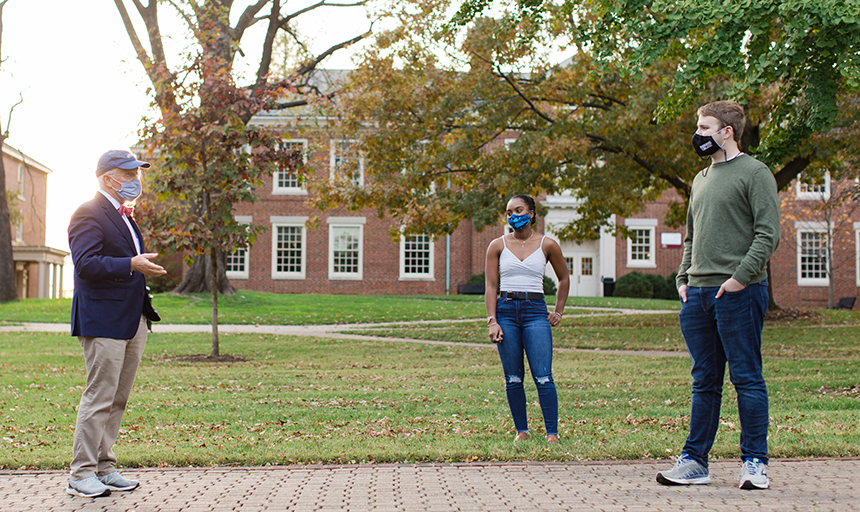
<point>54,290</point>
<point>60,285</point>
<point>42,284</point>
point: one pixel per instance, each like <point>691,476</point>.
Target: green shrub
<point>477,279</point>
<point>634,284</point>
<point>646,286</point>
<point>548,286</point>
<point>671,288</point>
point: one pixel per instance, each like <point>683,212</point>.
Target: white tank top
<point>522,276</point>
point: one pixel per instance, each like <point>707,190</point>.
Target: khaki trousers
<point>111,367</point>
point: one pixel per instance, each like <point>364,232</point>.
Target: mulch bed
<point>788,314</point>
<point>201,358</point>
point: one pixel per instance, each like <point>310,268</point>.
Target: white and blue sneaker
<point>88,488</point>
<point>686,472</point>
<point>753,475</point>
<point>116,482</point>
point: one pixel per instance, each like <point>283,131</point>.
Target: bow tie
<point>125,210</point>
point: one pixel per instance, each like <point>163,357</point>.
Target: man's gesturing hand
<point>141,263</point>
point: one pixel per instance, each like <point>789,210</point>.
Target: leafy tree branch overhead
<point>182,85</point>
<point>793,63</point>
<point>611,123</point>
<point>443,102</point>
<point>210,157</point>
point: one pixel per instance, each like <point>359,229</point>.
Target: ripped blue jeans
<point>526,329</point>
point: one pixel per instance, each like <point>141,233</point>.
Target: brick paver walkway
<point>807,485</point>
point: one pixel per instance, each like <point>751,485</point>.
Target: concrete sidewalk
<point>806,485</point>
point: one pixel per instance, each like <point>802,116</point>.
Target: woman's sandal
<point>552,438</point>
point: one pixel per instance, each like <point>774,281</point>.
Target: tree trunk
<point>771,303</point>
<point>214,276</point>
<point>198,280</point>
<point>8,286</point>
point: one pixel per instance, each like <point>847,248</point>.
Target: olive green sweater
<point>732,224</point>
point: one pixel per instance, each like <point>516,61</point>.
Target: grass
<point>306,400</point>
<point>832,335</point>
<point>343,401</point>
<point>250,307</point>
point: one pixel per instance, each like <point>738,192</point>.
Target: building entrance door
<point>583,274</point>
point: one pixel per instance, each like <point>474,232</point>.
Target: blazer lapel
<point>117,221</point>
<point>138,233</point>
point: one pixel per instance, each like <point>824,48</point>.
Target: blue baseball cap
<point>118,159</point>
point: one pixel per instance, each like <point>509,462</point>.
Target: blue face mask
<point>518,222</point>
<point>129,191</point>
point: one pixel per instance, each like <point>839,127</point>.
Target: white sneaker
<point>753,475</point>
<point>686,472</point>
<point>115,482</point>
<point>87,488</point>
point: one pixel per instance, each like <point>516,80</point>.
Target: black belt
<point>521,295</point>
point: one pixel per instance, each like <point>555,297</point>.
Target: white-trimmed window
<point>641,246</point>
<point>21,174</point>
<point>857,251</point>
<point>346,162</point>
<point>285,182</point>
<point>237,261</point>
<point>346,247</point>
<point>812,264</point>
<point>509,143</point>
<point>818,190</point>
<point>416,257</point>
<point>19,231</point>
<point>289,247</point>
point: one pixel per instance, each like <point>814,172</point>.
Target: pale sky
<point>84,91</point>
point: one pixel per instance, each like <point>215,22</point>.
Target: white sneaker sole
<point>749,485</point>
<point>691,481</point>
<point>75,492</point>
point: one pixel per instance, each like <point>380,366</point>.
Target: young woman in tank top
<point>517,318</point>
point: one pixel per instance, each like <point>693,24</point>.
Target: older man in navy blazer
<point>110,309</point>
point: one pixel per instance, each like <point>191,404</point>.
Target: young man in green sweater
<point>732,231</point>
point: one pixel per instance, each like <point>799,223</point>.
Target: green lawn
<point>308,400</point>
<point>249,307</point>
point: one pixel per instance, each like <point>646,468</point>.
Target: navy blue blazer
<point>109,298</point>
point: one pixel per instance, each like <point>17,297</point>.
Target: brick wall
<point>784,263</point>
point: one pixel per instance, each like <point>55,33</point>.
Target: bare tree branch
<point>286,19</point>
<point>607,145</point>
<point>309,66</point>
<point>11,109</point>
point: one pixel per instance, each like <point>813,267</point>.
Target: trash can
<point>608,286</point>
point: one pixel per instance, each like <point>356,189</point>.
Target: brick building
<point>38,268</point>
<point>353,252</point>
<point>800,273</point>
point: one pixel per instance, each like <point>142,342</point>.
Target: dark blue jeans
<point>718,331</point>
<point>525,328</point>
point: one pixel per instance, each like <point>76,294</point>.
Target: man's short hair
<point>729,113</point>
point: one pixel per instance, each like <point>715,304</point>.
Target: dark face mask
<point>706,145</point>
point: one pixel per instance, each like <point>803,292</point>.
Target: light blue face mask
<point>129,191</point>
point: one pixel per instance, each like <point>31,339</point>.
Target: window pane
<point>289,249</point>
<point>640,246</point>
<point>236,261</point>
<point>347,163</point>
<point>587,267</point>
<point>813,255</point>
<point>345,249</point>
<point>288,178</point>
<point>416,258</point>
